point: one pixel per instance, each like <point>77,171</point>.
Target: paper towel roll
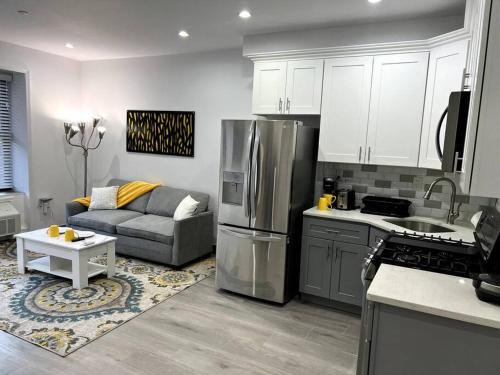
<point>475,218</point>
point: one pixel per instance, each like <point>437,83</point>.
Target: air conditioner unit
<point>10,219</point>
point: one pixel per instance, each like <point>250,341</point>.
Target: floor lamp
<point>71,130</point>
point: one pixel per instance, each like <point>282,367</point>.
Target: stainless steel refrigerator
<point>267,172</point>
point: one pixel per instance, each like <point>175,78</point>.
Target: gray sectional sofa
<point>145,228</point>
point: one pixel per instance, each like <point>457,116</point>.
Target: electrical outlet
<point>44,204</point>
<point>44,200</point>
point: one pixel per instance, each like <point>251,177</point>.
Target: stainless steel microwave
<point>456,114</point>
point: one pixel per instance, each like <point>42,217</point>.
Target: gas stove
<point>429,253</point>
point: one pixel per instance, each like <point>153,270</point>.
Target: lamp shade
<point>67,127</point>
<point>101,130</point>
<point>73,131</point>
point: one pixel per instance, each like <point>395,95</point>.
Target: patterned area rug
<point>46,311</point>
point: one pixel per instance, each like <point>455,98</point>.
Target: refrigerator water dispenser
<point>232,187</point>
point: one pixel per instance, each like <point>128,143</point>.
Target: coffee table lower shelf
<point>62,267</point>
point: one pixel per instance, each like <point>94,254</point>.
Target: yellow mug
<point>330,198</point>
<point>53,231</point>
<point>70,235</point>
<point>323,204</point>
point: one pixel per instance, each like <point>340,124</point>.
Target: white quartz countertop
<point>460,232</point>
<point>432,293</point>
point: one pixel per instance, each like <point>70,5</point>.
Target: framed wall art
<point>161,132</point>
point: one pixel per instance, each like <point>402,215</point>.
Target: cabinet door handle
<point>288,105</point>
<point>359,156</point>
<point>280,107</point>
<point>369,153</point>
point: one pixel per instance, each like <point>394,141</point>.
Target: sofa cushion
<point>102,220</point>
<point>138,204</point>
<point>150,227</point>
<point>164,200</point>
<point>117,182</point>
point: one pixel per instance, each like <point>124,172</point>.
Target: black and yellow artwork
<point>161,132</point>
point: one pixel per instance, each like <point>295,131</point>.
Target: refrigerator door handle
<point>250,236</point>
<point>246,201</point>
<point>255,173</point>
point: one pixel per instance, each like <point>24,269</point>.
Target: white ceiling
<point>105,29</point>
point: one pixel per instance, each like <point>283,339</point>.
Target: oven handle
<point>438,133</point>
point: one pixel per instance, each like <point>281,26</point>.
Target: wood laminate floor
<point>205,331</point>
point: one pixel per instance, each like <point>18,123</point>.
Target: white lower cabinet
<point>396,109</point>
<point>446,73</point>
<point>344,114</point>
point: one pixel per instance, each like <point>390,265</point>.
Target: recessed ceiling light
<point>374,1</point>
<point>245,14</point>
<point>69,45</point>
<point>183,34</point>
<point>23,12</point>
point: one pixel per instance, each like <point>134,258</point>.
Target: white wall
<point>216,85</point>
<point>414,29</point>
<point>53,85</point>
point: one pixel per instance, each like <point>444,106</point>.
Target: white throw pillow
<point>186,208</point>
<point>103,198</point>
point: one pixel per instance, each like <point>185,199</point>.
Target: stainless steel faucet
<point>452,214</point>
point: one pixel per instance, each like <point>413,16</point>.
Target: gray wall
<point>414,29</point>
<point>401,182</point>
<point>216,85</point>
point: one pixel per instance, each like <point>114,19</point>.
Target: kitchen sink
<point>419,226</point>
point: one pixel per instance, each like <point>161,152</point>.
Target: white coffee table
<point>66,259</point>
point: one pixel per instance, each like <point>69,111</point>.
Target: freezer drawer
<point>251,263</point>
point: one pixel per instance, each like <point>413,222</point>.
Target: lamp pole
<point>71,130</point>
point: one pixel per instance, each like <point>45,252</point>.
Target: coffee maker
<point>329,185</point>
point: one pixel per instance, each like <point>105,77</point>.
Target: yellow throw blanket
<point>126,193</point>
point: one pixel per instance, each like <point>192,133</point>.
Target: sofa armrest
<point>74,208</point>
<point>193,238</point>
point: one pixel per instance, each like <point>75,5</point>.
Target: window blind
<point>5,135</point>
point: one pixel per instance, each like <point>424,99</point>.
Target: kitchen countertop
<point>461,233</point>
<point>432,293</point>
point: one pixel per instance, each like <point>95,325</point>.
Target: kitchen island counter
<point>432,293</point>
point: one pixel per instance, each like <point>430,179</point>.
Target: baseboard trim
<point>331,304</point>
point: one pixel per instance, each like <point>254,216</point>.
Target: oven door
<point>251,263</point>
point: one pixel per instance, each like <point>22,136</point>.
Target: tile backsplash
<point>401,182</point>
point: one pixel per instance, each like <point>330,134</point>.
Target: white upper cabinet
<point>344,114</point>
<point>446,69</point>
<point>292,87</point>
<point>303,87</point>
<point>269,87</point>
<point>396,109</point>
<point>486,171</point>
